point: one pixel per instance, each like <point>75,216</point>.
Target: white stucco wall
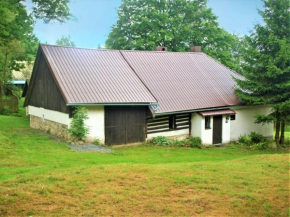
<point>244,123</point>
<point>196,125</point>
<point>226,129</point>
<point>206,135</point>
<point>198,128</point>
<point>50,115</point>
<point>175,133</point>
<point>96,123</point>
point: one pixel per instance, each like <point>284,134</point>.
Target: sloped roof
<point>176,81</point>
<point>184,81</point>
<point>87,76</point>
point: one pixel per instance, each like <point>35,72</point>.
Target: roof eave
<point>112,104</point>
<point>192,110</point>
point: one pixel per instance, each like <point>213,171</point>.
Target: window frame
<point>233,117</point>
<point>207,122</point>
<point>172,122</point>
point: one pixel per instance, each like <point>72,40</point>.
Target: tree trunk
<point>3,84</point>
<point>282,140</point>
<point>1,97</point>
<point>277,127</point>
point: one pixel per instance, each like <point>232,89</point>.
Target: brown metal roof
<point>184,81</point>
<point>87,76</point>
<point>218,112</point>
<point>177,81</point>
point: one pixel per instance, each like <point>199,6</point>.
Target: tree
<point>267,65</point>
<point>17,41</point>
<point>65,41</point>
<point>51,10</point>
<point>176,24</point>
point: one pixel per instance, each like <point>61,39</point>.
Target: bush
<point>256,137</point>
<point>260,145</point>
<point>195,142</point>
<point>6,110</point>
<point>244,140</point>
<point>162,141</point>
<point>96,142</point>
<point>78,128</point>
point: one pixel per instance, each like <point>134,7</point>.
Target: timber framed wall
<point>45,92</point>
<point>169,125</point>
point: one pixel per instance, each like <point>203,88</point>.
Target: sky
<point>94,19</point>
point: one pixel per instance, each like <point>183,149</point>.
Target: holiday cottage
<point>132,96</point>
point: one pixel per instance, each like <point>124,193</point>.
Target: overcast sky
<point>95,18</point>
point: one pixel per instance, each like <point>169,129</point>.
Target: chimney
<point>195,49</point>
<point>160,48</point>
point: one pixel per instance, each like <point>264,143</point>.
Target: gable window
<point>233,117</point>
<point>172,124</point>
<point>207,122</point>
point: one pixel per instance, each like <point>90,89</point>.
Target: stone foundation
<point>48,126</point>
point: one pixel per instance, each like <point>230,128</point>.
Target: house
<point>132,96</point>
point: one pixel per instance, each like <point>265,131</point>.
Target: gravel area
<point>89,148</point>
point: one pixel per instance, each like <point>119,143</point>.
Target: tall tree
<point>65,41</point>
<point>17,42</point>
<point>267,65</point>
<point>177,24</point>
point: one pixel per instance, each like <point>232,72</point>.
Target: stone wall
<point>48,126</point>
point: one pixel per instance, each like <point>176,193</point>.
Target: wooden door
<point>124,124</point>
<point>217,129</point>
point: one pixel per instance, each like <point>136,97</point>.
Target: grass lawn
<point>40,176</point>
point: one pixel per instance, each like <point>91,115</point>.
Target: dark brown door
<point>124,124</point>
<point>217,129</point>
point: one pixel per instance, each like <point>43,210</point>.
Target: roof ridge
<point>137,75</point>
<point>96,49</point>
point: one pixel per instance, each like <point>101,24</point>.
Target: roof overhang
<point>217,112</point>
<point>112,104</point>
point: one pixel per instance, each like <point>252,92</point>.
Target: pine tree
<point>267,64</point>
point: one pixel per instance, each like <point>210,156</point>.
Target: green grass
<point>41,176</point>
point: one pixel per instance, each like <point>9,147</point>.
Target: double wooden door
<point>124,124</point>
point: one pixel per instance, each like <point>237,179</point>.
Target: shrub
<point>256,137</point>
<point>162,141</point>
<point>96,142</point>
<point>244,140</point>
<point>78,128</point>
<point>195,142</point>
<point>6,110</point>
<point>260,145</point>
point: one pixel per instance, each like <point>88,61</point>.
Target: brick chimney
<point>160,48</point>
<point>195,49</point>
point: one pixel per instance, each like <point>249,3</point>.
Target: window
<point>171,122</point>
<point>233,117</point>
<point>207,122</point>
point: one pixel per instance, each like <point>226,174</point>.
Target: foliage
<point>266,64</point>
<point>195,142</point>
<point>260,146</point>
<point>256,137</point>
<point>52,10</point>
<point>161,141</point>
<point>176,24</point>
<point>65,41</point>
<point>244,140</point>
<point>18,44</point>
<point>252,138</point>
<point>97,142</point>
<point>78,128</point>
